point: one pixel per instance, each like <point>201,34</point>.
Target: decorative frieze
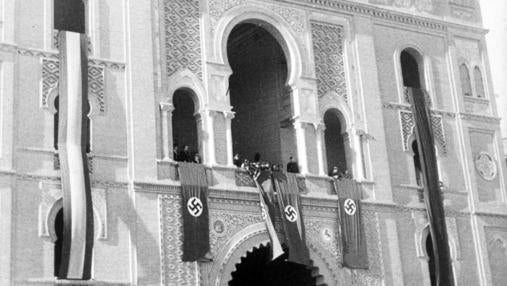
<point>407,129</point>
<point>182,36</point>
<point>50,77</point>
<point>328,54</point>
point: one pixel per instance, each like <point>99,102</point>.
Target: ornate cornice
<point>11,48</point>
<point>401,106</point>
<point>387,15</point>
<point>480,118</point>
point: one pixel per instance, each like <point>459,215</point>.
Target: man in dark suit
<point>292,166</point>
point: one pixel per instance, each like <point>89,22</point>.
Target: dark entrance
<point>259,95</point>
<point>257,269</point>
<point>431,260</point>
<point>58,242</point>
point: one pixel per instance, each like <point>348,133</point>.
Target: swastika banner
<point>292,216</point>
<point>194,208</point>
<point>354,248</point>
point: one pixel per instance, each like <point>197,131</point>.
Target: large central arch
<point>259,95</point>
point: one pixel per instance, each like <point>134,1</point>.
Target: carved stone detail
<point>50,204</point>
<point>174,271</point>
<point>295,18</point>
<point>407,128</point>
<point>233,222</point>
<point>51,75</point>
<point>328,53</point>
<point>182,36</point>
<point>486,166</point>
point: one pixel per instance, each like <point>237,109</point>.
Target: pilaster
<point>166,112</point>
<point>369,92</point>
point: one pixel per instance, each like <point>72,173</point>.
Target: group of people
<point>292,166</point>
<point>335,173</point>
<point>186,155</point>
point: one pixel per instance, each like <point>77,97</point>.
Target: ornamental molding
<point>402,106</point>
<point>388,15</point>
<point>113,65</point>
<point>479,118</point>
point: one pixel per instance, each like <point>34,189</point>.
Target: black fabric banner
<point>194,208</point>
<point>432,197</point>
<point>292,216</point>
<point>354,248</point>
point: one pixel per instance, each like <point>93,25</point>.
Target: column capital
<point>166,106</point>
<point>229,114</point>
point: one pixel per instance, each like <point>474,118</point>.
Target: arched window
<point>479,84</point>
<point>336,144</point>
<point>184,125</point>
<point>431,260</point>
<point>58,242</point>
<point>410,61</point>
<point>464,75</point>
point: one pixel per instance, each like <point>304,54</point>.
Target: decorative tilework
<point>96,85</point>
<point>182,36</point>
<point>174,271</point>
<point>328,53</point>
<point>407,128</point>
<point>51,74</point>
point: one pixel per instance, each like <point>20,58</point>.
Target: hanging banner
<point>431,182</point>
<point>354,248</point>
<point>77,240</point>
<point>194,208</point>
<point>264,185</point>
<point>292,217</point>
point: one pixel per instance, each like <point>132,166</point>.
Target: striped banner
<point>265,187</point>
<point>72,137</point>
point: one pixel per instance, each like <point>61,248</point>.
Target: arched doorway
<point>256,268</point>
<point>431,260</point>
<point>336,144</point>
<point>184,124</point>
<point>58,242</point>
<point>259,95</point>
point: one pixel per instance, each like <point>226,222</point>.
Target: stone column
<point>319,135</point>
<point>299,127</point>
<point>209,129</point>
<point>166,113</point>
<point>229,115</point>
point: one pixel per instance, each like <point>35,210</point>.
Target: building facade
<point>323,81</point>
